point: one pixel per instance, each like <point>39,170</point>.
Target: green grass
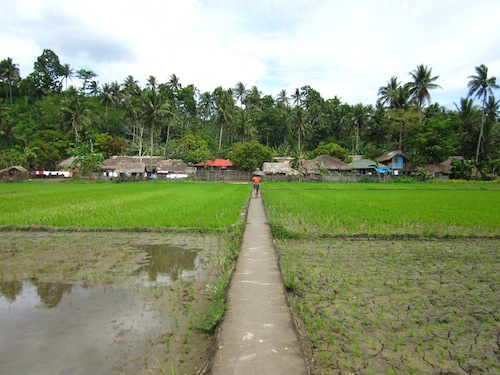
<point>127,205</point>
<point>323,210</point>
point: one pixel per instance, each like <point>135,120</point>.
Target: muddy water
<point>61,328</point>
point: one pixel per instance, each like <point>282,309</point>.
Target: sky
<point>343,48</point>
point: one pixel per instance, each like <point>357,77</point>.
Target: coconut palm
<point>174,82</point>
<point>468,115</point>
<point>422,83</point>
<point>152,82</point>
<point>389,93</point>
<point>68,73</point>
<point>481,86</point>
<point>224,108</point>
<point>94,88</point>
<point>246,128</point>
<point>9,72</point>
<point>75,113</point>
<point>155,110</point>
<point>240,92</point>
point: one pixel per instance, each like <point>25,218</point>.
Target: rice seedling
<point>139,205</point>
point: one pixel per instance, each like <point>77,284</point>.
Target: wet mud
<point>124,303</point>
<point>396,307</point>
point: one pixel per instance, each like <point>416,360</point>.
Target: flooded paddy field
<point>416,306</point>
<point>104,302</point>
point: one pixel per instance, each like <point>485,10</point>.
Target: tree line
<point>57,111</point>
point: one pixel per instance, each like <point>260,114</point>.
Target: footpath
<point>257,334</point>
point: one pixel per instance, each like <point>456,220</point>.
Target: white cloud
<point>345,48</point>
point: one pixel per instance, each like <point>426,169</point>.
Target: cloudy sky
<point>344,48</point>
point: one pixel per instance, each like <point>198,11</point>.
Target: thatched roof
<point>445,167</point>
<point>68,163</point>
<point>174,166</point>
<point>113,161</point>
<point>327,161</point>
<point>388,156</point>
<point>130,168</point>
<point>283,167</point>
<point>13,169</point>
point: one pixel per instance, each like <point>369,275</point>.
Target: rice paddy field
<point>205,206</point>
<point>383,278</point>
<point>132,275</point>
<point>391,278</point>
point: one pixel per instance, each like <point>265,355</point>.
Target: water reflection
<point>39,319</point>
<point>162,264</point>
<point>166,264</point>
<point>10,289</point>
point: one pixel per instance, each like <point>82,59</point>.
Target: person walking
<point>256,180</point>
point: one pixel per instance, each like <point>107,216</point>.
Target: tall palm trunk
<point>481,130</point>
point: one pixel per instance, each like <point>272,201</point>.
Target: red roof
<point>219,163</point>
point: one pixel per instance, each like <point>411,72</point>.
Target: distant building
<point>14,173</point>
<point>314,168</point>
<point>282,166</point>
<point>367,167</point>
<point>395,160</point>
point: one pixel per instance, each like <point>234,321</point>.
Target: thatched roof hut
<point>283,166</point>
<point>135,168</point>
<point>68,163</point>
<point>14,173</point>
<point>174,166</point>
<point>323,161</point>
<point>443,169</point>
<point>134,164</point>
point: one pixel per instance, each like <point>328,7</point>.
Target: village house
<point>174,168</point>
<point>130,166</point>
<point>367,167</point>
<point>395,160</point>
<point>443,170</point>
<point>282,167</point>
<point>323,164</point>
<point>221,164</point>
<point>14,173</point>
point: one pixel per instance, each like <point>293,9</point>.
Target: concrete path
<point>257,335</point>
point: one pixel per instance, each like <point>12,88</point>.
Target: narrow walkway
<point>257,335</point>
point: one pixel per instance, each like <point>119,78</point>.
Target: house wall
<point>397,162</point>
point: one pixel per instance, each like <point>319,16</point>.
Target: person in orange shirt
<point>256,180</point>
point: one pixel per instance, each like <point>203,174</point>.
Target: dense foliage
<point>56,112</point>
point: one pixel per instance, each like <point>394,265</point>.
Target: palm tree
<point>299,122</point>
<point>174,82</point>
<point>152,82</point>
<point>297,97</point>
<point>245,125</point>
<point>389,93</point>
<point>155,110</point>
<point>224,108</point>
<point>68,73</point>
<point>94,88</point>
<point>9,72</point>
<point>468,115</point>
<point>240,92</point>
<point>481,86</point>
<point>131,87</point>
<point>422,83</point>
<point>253,98</point>
<point>75,113</point>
